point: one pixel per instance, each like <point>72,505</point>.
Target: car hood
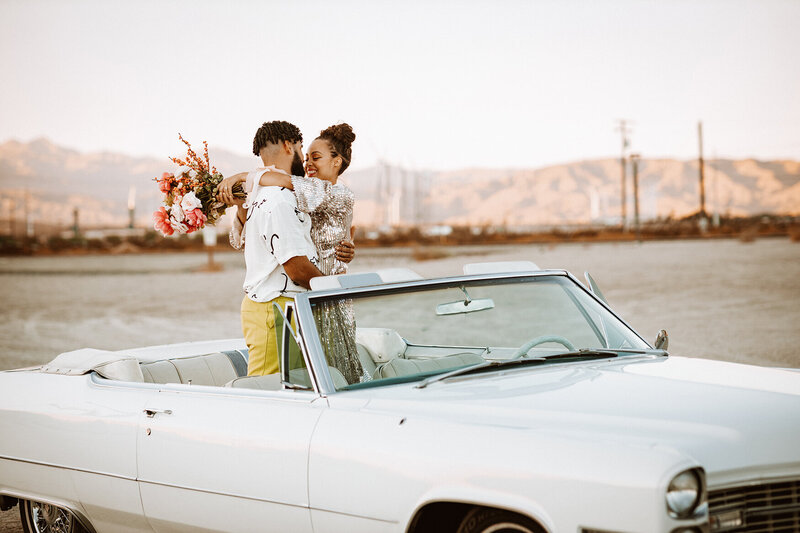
<point>725,416</point>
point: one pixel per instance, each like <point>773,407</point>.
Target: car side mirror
<point>662,340</point>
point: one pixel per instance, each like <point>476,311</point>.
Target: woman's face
<point>319,162</point>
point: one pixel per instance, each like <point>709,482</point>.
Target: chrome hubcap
<point>50,519</point>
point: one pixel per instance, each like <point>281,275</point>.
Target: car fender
<point>478,496</point>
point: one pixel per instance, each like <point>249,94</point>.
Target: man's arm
<point>300,270</point>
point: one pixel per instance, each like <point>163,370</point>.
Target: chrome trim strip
<point>432,282</point>
<point>754,482</point>
<point>342,513</point>
<point>313,354</point>
<point>124,478</point>
<point>229,494</point>
<point>445,346</point>
<point>63,467</point>
<point>776,509</point>
<point>312,372</point>
<point>208,390</point>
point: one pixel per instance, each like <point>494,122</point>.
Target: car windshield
<point>411,334</point>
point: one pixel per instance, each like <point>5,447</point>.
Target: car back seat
<point>214,369</point>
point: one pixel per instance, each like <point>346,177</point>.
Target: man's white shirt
<point>275,232</point>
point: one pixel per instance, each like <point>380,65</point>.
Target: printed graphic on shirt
<point>285,283</point>
<point>272,243</point>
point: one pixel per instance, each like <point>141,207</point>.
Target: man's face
<point>297,162</point>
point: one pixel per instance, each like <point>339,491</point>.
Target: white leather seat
<point>381,344</point>
<point>214,369</point>
<point>367,363</point>
<point>404,367</point>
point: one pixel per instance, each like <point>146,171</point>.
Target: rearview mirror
<point>464,306</point>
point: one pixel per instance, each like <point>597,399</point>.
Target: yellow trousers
<point>258,326</point>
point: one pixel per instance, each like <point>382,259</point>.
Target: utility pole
<point>28,221</point>
<point>131,206</point>
<point>715,181</point>
<point>76,230</point>
<point>623,128</point>
<point>700,164</point>
<point>635,166</point>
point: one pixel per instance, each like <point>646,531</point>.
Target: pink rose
<point>195,218</point>
<point>190,202</point>
<point>161,219</point>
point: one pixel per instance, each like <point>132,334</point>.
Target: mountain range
<point>50,181</point>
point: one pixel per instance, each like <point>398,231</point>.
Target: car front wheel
<point>483,520</point>
<point>38,517</point>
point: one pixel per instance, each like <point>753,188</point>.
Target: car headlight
<point>686,493</point>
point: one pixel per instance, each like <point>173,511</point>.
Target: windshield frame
<point>313,347</point>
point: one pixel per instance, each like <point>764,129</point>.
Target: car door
<point>225,459</point>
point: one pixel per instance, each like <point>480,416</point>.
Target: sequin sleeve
<point>311,193</point>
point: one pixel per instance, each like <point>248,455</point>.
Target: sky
<point>427,84</point>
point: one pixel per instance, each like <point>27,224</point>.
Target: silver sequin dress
<point>331,210</point>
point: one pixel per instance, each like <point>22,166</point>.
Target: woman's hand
<point>345,251</point>
<point>225,189</point>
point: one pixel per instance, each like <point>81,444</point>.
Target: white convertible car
<point>507,399</point>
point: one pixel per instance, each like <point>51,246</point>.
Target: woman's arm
<point>275,179</point>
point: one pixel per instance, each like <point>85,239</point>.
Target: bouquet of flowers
<point>190,198</point>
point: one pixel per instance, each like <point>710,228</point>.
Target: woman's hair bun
<point>341,132</point>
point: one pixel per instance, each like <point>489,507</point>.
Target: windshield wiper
<point>579,354</point>
<point>477,368</point>
<point>584,353</point>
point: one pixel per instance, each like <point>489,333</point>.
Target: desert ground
<point>720,299</point>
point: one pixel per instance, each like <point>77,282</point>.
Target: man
<point>279,254</point>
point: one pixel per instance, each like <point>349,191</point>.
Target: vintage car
<point>506,399</point>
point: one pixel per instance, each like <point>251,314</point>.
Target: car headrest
<point>383,344</point>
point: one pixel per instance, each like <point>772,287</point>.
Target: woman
<point>330,205</point>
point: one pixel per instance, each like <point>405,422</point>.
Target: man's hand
<point>345,251</point>
<point>225,189</point>
<point>301,270</point>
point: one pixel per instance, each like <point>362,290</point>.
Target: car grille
<point>768,508</point>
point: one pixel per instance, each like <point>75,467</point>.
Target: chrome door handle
<point>152,412</point>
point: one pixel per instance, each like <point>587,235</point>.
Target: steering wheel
<point>523,350</point>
